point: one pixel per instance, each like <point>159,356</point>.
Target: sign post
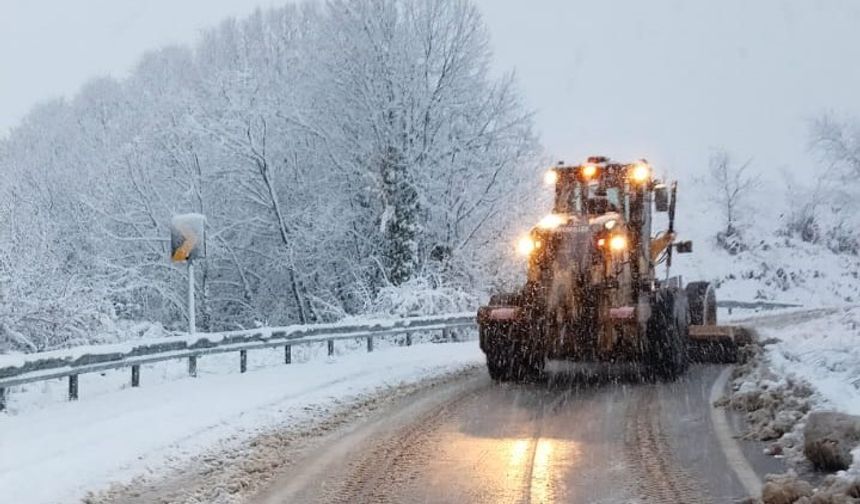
<point>192,311</point>
<point>187,243</point>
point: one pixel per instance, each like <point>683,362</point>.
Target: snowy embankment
<point>823,351</point>
<point>55,451</point>
<point>809,361</point>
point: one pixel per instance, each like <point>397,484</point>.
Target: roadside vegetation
<point>341,152</point>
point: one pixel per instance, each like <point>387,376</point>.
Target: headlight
<point>550,178</point>
<point>588,170</point>
<point>551,221</point>
<point>526,246</point>
<point>640,172</point>
<point>618,243</point>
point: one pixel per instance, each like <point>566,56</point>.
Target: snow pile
<point>807,361</point>
<point>773,405</point>
<point>790,489</point>
<point>829,438</point>
<point>823,351</point>
<point>785,489</point>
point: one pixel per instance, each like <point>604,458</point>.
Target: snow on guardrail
<point>28,368</point>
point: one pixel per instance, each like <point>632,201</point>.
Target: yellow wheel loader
<point>592,293</point>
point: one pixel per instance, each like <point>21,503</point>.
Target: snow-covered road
<point>174,429</point>
<point>55,451</point>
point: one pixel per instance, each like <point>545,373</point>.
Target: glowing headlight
<point>640,172</point>
<point>550,178</point>
<point>618,243</point>
<point>610,224</point>
<point>588,170</point>
<point>551,221</point>
<point>525,246</point>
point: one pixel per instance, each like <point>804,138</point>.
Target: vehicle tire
<point>509,361</point>
<point>526,364</point>
<point>495,346</point>
<point>682,329</point>
<point>497,368</point>
<point>703,303</point>
<point>668,335</point>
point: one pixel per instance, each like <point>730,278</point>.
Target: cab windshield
<point>588,199</point>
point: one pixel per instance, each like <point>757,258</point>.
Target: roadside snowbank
<point>808,361</point>
<point>823,351</point>
<point>53,451</point>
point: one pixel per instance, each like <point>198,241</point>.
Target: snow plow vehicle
<point>592,293</point>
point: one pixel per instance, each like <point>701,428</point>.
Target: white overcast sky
<point>665,79</point>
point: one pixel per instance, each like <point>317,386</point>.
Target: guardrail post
<point>135,375</point>
<point>408,339</point>
<point>330,347</point>
<point>370,343</point>
<point>2,399</point>
<point>243,361</point>
<point>192,366</point>
<point>73,387</point>
<point>288,354</point>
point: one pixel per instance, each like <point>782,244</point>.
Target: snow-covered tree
<point>835,204</point>
<point>733,186</point>
<point>340,152</point>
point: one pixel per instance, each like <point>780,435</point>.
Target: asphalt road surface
<point>570,440</point>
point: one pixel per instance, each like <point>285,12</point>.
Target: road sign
<point>187,237</point>
<point>187,243</point>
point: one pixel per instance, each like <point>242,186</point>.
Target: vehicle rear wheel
<point>703,303</point>
<point>668,335</point>
<point>527,364</point>
<point>498,365</point>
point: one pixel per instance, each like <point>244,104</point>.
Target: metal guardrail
<point>72,363</point>
<point>755,305</point>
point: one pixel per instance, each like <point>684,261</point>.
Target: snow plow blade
<point>717,343</point>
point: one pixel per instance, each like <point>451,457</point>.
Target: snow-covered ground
<point>810,361</point>
<point>824,351</point>
<point>55,451</point>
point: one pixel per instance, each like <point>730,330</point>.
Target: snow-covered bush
<point>423,296</point>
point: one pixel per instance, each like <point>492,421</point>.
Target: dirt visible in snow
<point>777,409</point>
<point>785,489</point>
<point>774,407</point>
<point>790,489</point>
<point>230,475</point>
<point>829,437</point>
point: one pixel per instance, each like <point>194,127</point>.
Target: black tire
<point>510,361</point>
<point>703,303</point>
<point>493,343</point>
<point>668,335</point>
<point>497,368</point>
<point>526,364</point>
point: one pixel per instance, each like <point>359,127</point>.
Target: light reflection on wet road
<point>563,441</point>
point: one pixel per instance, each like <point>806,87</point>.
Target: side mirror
<point>684,247</point>
<point>661,198</point>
